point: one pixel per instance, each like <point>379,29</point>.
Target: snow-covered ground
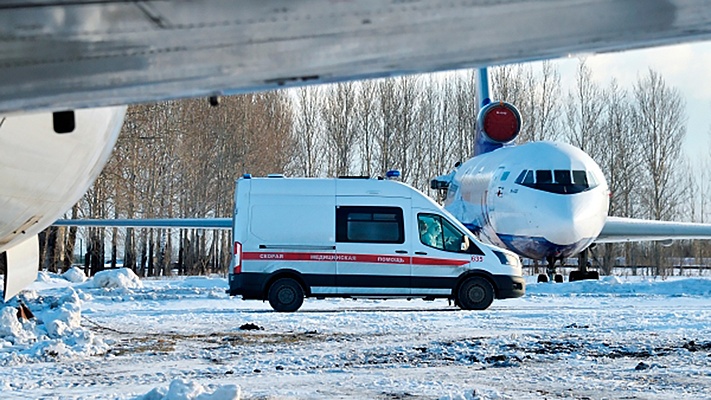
<point>117,337</point>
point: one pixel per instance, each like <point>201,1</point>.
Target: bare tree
<point>508,83</point>
<point>464,111</point>
<point>425,149</point>
<point>585,105</point>
<point>537,96</point>
<point>339,118</point>
<point>660,118</point>
<point>619,158</point>
<point>543,105</point>
<point>308,131</point>
<point>367,125</point>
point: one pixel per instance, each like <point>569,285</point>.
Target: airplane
<point>69,68</point>
<point>542,200</point>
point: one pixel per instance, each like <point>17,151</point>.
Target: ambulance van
<point>359,238</point>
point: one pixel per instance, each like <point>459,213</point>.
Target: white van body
<point>297,237</point>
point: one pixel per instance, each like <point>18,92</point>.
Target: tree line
<point>180,159</point>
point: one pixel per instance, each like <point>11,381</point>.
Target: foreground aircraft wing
<point>187,223</point>
<point>62,55</point>
<point>618,230</point>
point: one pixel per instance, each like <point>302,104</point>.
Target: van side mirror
<point>465,243</point>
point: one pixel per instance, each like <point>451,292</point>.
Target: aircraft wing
<point>618,230</point>
<point>60,55</point>
<point>188,223</point>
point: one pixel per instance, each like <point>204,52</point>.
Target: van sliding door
<point>372,255</point>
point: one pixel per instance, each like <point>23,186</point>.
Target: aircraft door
<point>372,253</point>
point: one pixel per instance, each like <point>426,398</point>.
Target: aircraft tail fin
<point>498,123</point>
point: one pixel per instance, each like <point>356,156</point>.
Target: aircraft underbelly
<point>44,173</point>
<point>540,248</point>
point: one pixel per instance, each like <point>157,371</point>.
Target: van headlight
<point>507,258</point>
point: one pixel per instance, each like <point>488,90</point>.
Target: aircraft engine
<point>499,122</point>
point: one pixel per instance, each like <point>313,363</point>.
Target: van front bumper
<point>509,287</point>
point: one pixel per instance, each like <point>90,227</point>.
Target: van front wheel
<point>286,295</point>
<point>475,293</point>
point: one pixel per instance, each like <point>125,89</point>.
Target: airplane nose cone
<point>567,220</point>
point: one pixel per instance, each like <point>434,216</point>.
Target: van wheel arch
<point>285,274</point>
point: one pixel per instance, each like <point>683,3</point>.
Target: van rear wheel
<point>286,295</point>
<point>475,293</point>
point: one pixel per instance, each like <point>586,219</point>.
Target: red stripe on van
<point>365,258</point>
<point>356,258</point>
<point>438,261</point>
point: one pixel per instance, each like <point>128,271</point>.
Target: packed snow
<point>115,336</point>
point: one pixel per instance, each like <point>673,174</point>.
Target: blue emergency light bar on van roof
<point>392,174</point>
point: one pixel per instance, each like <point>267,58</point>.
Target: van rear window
<point>369,224</point>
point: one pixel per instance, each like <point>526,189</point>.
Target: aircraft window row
<point>560,181</point>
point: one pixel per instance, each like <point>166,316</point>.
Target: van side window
<point>439,233</point>
<point>369,224</point>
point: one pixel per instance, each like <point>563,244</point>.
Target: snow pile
<point>44,276</point>
<point>74,275</point>
<point>48,280</point>
<point>173,288</point>
<point>612,285</point>
<point>55,332</point>
<point>612,280</point>
<point>181,390</point>
<point>122,278</point>
<point>11,330</point>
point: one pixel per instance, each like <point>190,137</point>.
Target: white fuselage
<point>538,214</point>
<point>43,173</point>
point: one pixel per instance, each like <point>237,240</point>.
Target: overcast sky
<point>686,67</point>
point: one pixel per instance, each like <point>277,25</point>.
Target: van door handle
<point>401,251</point>
<point>421,253</point>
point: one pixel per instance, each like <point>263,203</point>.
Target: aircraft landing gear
<point>550,275</point>
<point>582,272</point>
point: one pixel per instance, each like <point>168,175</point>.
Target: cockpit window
<point>562,176</point>
<point>544,176</point>
<point>560,181</point>
<point>528,180</point>
<point>580,178</point>
<point>520,177</point>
